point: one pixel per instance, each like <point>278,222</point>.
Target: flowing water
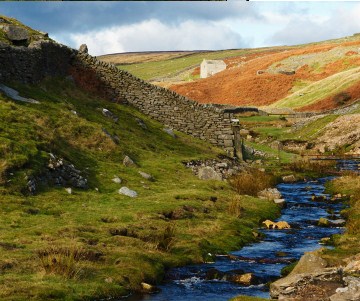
<point>262,258</point>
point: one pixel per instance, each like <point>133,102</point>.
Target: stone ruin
<point>211,67</point>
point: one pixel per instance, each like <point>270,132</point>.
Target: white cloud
<point>151,35</point>
<point>310,28</point>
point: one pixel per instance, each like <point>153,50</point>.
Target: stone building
<point>210,67</point>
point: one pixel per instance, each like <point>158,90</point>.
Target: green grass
<point>273,154</point>
<point>248,298</point>
<point>313,129</point>
<point>259,118</point>
<point>37,229</point>
<point>347,244</point>
<point>32,32</point>
<point>319,90</point>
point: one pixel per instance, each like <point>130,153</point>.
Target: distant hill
<point>310,77</point>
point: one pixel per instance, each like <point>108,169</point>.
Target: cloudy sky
<point>111,27</point>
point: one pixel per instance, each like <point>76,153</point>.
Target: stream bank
<point>263,260</point>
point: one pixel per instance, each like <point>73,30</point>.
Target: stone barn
<point>210,67</point>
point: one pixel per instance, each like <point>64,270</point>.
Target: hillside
<point>67,229</point>
<point>321,75</point>
<point>100,194</point>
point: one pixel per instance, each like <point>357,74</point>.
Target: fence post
<point>237,139</point>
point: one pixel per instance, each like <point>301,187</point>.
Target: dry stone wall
<point>204,121</point>
<point>35,62</point>
<point>47,58</point>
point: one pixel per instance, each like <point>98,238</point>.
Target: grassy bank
<point>97,243</point>
<point>347,244</point>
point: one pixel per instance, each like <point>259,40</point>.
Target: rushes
<point>251,182</point>
<point>63,261</point>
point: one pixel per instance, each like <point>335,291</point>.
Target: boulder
<point>289,179</point>
<point>128,161</point>
<point>128,192</point>
<point>353,266</point>
<point>244,279</point>
<point>270,194</point>
<point>324,222</point>
<point>15,33</point>
<point>209,173</point>
<point>83,48</point>
<point>309,262</point>
<point>146,175</point>
<point>351,292</point>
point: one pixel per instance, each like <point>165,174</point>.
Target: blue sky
<point>110,27</point>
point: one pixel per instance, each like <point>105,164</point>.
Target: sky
<point>114,27</point>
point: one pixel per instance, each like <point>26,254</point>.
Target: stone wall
<point>204,121</point>
<point>47,58</point>
<point>35,62</point>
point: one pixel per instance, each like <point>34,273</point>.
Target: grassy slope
<point>320,89</point>
<point>83,221</point>
<point>168,68</point>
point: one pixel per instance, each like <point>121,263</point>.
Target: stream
<point>261,258</point>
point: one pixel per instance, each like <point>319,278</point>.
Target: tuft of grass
<point>235,207</point>
<point>166,240</point>
<point>318,167</point>
<point>251,182</point>
<point>63,261</point>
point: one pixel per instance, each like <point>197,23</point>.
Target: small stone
<point>128,192</point>
<point>146,175</point>
<point>128,161</point>
<point>289,179</point>
<point>280,202</point>
<point>68,190</point>
<point>244,279</point>
<point>148,288</point>
<point>83,48</point>
<point>209,173</point>
<point>270,194</point>
<point>170,132</point>
<point>116,180</point>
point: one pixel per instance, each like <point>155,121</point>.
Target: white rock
<point>68,190</point>
<point>128,161</point>
<point>116,180</point>
<point>146,175</point>
<point>128,192</point>
<point>209,173</point>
